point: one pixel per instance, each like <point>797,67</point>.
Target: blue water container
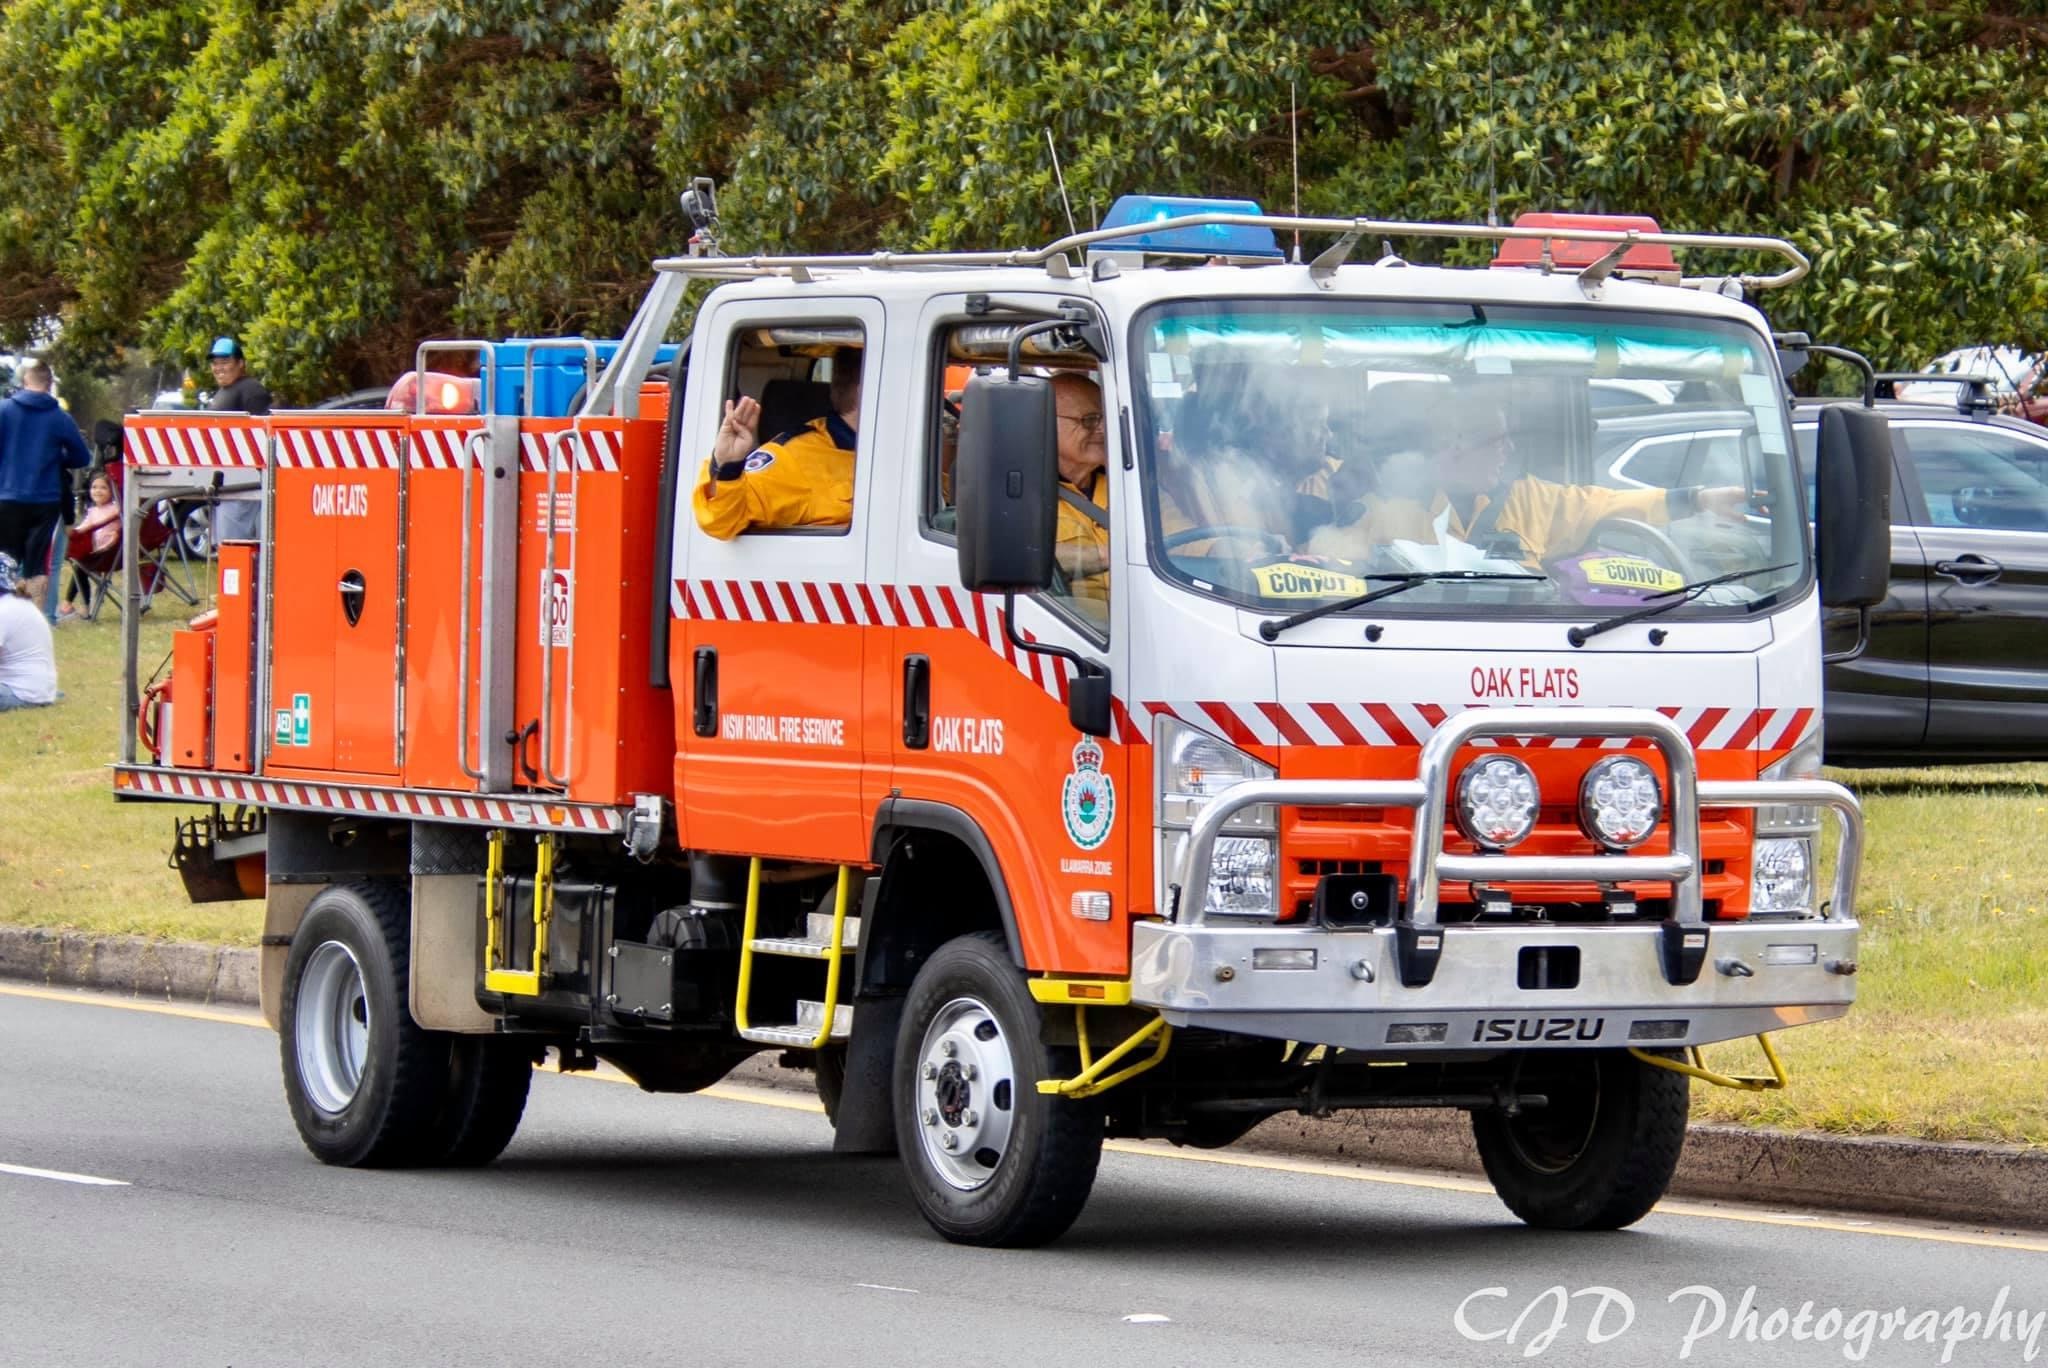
<point>560,372</point>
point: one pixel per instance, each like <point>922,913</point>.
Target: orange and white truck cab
<point>1234,685</point>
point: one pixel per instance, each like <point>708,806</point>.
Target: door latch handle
<point>704,710</point>
<point>917,702</point>
<point>1969,567</point>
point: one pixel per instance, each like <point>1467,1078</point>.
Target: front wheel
<point>995,1162</point>
<point>1602,1151</point>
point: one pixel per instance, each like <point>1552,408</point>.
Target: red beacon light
<point>445,394</point>
<point>1646,259</point>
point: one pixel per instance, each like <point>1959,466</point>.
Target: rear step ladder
<point>830,937</point>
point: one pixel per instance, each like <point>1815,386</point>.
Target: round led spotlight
<point>1497,802</point>
<point>1619,802</point>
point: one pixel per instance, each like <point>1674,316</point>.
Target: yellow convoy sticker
<point>1628,572</point>
<point>1305,582</point>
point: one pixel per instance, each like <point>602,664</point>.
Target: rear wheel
<point>994,1161</point>
<point>488,1079</point>
<point>1603,1150</point>
<point>365,1083</point>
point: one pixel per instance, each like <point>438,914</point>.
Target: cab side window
<point>1081,579</point>
<point>787,444</point>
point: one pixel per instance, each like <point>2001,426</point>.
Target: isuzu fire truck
<point>1320,787</point>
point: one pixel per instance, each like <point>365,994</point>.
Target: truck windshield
<point>1296,449</point>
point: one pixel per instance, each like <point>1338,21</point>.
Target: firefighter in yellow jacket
<point>798,479</point>
<point>1083,549</point>
<point>1528,519</point>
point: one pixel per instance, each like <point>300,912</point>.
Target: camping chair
<point>161,550</point>
<point>93,569</point>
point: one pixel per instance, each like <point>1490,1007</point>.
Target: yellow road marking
<point>90,999</point>
<point>1155,1149</point>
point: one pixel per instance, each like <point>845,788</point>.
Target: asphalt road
<point>718,1229</point>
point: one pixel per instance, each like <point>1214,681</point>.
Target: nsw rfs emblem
<point>1088,798</point>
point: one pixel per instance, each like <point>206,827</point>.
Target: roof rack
<point>1973,393</point>
<point>1058,260</point>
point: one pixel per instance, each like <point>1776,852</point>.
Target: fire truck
<point>1215,681</point>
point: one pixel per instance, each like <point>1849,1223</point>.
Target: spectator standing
<point>28,660</point>
<point>235,391</point>
<point>38,444</point>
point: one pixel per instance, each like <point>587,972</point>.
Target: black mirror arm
<point>1856,359</point>
<point>1089,669</point>
<point>1861,644</point>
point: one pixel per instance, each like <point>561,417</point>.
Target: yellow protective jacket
<point>1550,519</point>
<point>1077,529</point>
<point>801,479</point>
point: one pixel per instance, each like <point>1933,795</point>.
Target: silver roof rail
<point>1056,254</point>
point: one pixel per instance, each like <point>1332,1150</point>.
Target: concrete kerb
<point>1998,1186</point>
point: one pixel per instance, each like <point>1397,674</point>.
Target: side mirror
<point>1007,480</point>
<point>1853,523</point>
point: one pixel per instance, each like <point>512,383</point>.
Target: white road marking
<point>884,1287</point>
<point>85,1178</point>
<point>1147,1318</point>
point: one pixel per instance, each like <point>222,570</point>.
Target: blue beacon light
<point>1216,239</point>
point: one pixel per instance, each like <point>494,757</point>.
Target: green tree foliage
<point>337,178</point>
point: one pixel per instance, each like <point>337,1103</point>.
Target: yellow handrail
<point>518,982</point>
<point>834,961</point>
<point>739,1006</point>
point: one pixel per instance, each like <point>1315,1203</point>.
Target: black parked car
<point>1956,668</point>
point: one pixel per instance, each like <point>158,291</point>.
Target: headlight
<point>1781,861</point>
<point>1619,802</point>
<point>1244,865</point>
<point>1497,802</point>
<point>1781,878</point>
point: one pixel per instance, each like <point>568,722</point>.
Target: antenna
<point>1294,153</point>
<point>1061,180</point>
<point>1492,129</point>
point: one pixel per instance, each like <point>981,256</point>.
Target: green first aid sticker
<point>302,719</point>
<point>281,728</point>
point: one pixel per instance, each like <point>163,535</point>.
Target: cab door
<point>777,621</point>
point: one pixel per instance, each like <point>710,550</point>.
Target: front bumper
<point>1418,986</point>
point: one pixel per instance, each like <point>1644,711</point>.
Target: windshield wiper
<point>1684,593</point>
<point>1271,628</point>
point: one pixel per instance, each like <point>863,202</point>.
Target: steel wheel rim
<point>331,1031</point>
<point>966,1094</point>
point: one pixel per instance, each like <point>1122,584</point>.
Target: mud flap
<point>866,1121</point>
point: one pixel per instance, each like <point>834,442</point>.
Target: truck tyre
<point>993,1161</point>
<point>1603,1150</point>
<point>488,1079</point>
<point>366,1085</point>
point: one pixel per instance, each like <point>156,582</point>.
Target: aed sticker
<point>281,728</point>
<point>1629,572</point>
<point>302,719</point>
<point>1088,798</point>
<point>1305,582</point>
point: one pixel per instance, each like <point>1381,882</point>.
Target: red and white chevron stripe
<point>339,448</point>
<point>937,606</point>
<point>447,807</point>
<point>439,448</point>
<point>594,449</point>
<point>1411,724</point>
<point>234,445</point>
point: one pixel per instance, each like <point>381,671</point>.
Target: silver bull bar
<point>1418,984</point>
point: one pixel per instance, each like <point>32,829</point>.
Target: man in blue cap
<point>235,391</point>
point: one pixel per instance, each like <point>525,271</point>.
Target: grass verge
<point>1949,1038</point>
